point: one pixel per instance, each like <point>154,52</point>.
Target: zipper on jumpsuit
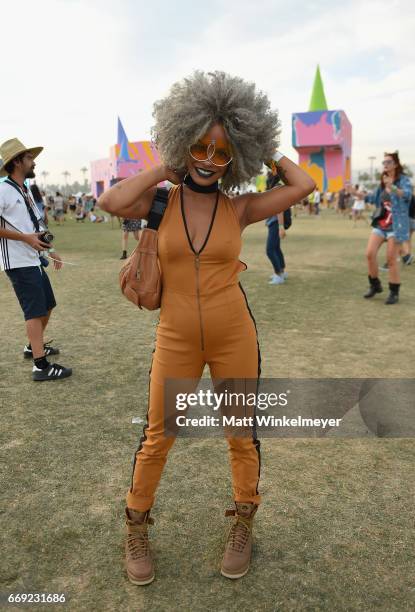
<point>197,266</point>
<point>197,257</point>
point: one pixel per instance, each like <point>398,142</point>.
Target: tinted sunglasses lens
<point>220,157</point>
<point>199,151</point>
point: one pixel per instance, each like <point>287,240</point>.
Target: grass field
<point>335,531</point>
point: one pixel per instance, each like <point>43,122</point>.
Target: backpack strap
<point>158,208</point>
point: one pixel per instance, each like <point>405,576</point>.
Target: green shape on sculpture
<point>318,99</point>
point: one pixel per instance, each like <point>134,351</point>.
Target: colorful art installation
<point>323,140</point>
<point>125,159</point>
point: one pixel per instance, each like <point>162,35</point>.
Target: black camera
<point>46,237</point>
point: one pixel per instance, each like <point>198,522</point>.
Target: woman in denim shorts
<point>390,223</point>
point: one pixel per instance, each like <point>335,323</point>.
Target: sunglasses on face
<point>209,152</point>
<point>387,162</point>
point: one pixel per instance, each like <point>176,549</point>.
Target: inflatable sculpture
<point>323,139</point>
<point>125,159</point>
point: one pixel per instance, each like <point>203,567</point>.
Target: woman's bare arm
<point>132,198</point>
<point>253,207</point>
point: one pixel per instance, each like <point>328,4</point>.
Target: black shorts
<point>33,290</point>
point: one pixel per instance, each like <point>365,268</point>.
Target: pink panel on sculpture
<point>143,155</point>
<point>323,141</point>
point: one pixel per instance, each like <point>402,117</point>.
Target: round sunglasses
<point>203,152</point>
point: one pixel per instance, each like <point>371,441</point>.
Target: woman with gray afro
<point>214,132</point>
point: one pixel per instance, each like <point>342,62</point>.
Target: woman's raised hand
<point>174,176</point>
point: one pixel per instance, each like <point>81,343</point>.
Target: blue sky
<point>74,65</point>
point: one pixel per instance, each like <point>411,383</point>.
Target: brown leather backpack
<point>140,276</point>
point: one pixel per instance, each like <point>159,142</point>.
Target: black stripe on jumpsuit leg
<point>143,437</point>
<point>256,442</point>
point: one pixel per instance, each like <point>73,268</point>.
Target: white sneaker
<point>283,274</point>
<point>276,280</point>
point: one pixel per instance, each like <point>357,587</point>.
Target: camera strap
<point>26,200</point>
<point>11,224</point>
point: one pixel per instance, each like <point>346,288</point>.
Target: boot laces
<point>239,534</point>
<point>137,542</point>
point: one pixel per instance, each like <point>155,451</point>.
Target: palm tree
<point>44,174</point>
<point>84,170</point>
<point>66,174</point>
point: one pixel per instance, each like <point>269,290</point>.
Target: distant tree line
<point>364,177</point>
<point>69,189</point>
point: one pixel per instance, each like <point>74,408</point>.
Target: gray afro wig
<point>196,103</point>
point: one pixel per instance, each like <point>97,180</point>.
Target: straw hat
<point>11,149</point>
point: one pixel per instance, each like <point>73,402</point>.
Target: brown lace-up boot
<point>139,561</point>
<point>237,557</point>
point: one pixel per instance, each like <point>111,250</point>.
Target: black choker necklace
<point>189,182</point>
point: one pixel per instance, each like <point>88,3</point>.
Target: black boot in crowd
<point>393,297</point>
<point>124,255</point>
<point>375,287</point>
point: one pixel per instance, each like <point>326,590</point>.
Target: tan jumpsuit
<point>204,319</point>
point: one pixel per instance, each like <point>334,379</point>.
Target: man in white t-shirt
<point>21,233</point>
